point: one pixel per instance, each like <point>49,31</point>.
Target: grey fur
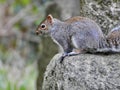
<point>86,33</point>
<point>113,38</point>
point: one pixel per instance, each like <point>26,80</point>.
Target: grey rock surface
<point>105,12</point>
<point>83,72</point>
<point>68,8</point>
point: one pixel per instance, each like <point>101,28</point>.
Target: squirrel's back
<point>74,19</point>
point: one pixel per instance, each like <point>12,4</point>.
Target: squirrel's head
<point>45,25</point>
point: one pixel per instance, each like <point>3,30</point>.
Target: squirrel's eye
<point>43,25</point>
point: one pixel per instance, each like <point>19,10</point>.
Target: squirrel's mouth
<point>41,32</point>
<point>38,32</point>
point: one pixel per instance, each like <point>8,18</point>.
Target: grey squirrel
<point>79,35</point>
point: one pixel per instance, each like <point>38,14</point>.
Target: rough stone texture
<point>105,12</point>
<point>68,8</point>
<point>83,72</point>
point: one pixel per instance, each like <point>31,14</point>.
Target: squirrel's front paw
<point>67,54</point>
<point>72,53</point>
<point>63,56</point>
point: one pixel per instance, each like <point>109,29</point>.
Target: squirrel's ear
<point>50,18</point>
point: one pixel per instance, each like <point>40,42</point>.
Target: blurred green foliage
<point>23,55</point>
<point>2,1</point>
<point>27,82</point>
<point>19,46</point>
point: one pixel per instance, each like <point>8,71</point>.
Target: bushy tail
<point>111,44</point>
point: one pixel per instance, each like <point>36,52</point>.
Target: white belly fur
<point>74,42</point>
<point>60,47</point>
